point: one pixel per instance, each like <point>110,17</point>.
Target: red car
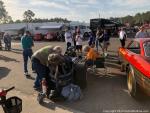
<point>37,37</point>
<point>50,36</point>
<point>135,60</point>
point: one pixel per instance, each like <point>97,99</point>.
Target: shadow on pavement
<point>106,93</point>
<point>17,51</point>
<point>7,59</point>
<point>54,105</point>
<point>112,65</point>
<point>31,78</point>
<point>111,56</point>
<point>101,94</point>
<point>4,72</point>
<point>112,61</point>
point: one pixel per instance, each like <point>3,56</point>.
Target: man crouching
<point>40,63</point>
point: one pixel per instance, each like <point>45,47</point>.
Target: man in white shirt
<point>141,33</point>
<point>68,38</point>
<point>122,37</point>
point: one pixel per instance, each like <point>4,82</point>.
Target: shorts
<point>78,47</point>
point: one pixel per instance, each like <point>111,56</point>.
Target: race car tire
<point>133,87</point>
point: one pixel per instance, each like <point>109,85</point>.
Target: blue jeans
<point>97,44</point>
<point>41,70</point>
<point>27,53</point>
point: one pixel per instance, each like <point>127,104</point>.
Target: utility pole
<point>99,23</point>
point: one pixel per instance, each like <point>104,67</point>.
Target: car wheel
<point>132,84</point>
<point>80,75</point>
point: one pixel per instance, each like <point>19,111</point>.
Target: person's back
<point>106,37</point>
<point>92,54</point>
<point>27,42</point>
<point>91,39</point>
<point>141,33</point>
<point>5,38</point>
<point>68,37</point>
<point>42,54</point>
<point>9,38</point>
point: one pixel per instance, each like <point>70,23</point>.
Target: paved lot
<point>103,94</point>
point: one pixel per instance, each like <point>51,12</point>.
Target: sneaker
<point>27,74</point>
<point>37,88</point>
<point>33,71</point>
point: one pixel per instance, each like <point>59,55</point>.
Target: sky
<point>76,10</point>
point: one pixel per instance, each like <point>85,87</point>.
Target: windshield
<point>146,46</point>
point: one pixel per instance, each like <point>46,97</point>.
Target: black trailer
<point>111,26</point>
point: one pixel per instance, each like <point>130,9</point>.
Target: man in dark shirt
<point>106,41</point>
<point>27,43</point>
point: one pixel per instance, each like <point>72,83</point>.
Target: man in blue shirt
<point>27,43</point>
<point>91,39</point>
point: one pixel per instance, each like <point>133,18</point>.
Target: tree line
<point>138,19</point>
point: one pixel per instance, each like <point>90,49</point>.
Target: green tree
<point>28,15</point>
<point>18,21</point>
<point>138,19</point>
<point>128,19</point>
<point>8,19</point>
<point>4,17</point>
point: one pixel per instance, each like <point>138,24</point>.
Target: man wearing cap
<point>141,33</point>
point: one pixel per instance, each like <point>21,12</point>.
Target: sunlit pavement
<point>103,94</point>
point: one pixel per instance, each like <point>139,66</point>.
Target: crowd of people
<point>99,39</point>
<point>40,59</point>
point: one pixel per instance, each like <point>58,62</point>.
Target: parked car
<point>50,36</point>
<point>38,37</point>
<point>135,60</point>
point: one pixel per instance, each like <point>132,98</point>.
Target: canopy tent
<point>15,28</point>
<point>51,28</point>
